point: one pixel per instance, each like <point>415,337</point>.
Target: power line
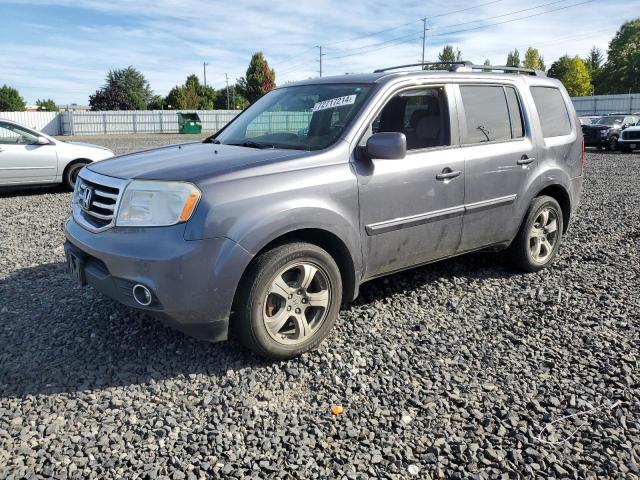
<point>464,9</point>
<point>372,34</point>
<point>512,20</point>
<point>501,16</point>
<point>363,47</point>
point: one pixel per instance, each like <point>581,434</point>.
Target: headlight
<point>604,133</point>
<point>156,204</point>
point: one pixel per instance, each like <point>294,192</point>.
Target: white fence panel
<point>602,104</point>
<point>46,122</point>
<point>145,121</point>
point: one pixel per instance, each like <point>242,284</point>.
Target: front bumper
<point>627,142</point>
<point>193,282</point>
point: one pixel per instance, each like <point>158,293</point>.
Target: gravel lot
<point>463,369</point>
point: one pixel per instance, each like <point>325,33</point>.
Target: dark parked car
<point>605,131</point>
<point>266,228</point>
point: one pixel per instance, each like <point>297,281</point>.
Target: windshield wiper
<point>251,144</point>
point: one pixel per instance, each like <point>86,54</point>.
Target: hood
<point>597,127</point>
<point>91,145</point>
<point>188,162</point>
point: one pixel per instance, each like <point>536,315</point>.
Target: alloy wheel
<point>296,303</point>
<point>543,235</point>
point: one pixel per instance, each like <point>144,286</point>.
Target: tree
<point>47,105</point>
<point>110,98</point>
<point>621,72</point>
<point>573,73</point>
<point>133,83</point>
<point>487,63</point>
<point>10,100</point>
<point>259,79</point>
<point>448,54</point>
<point>192,95</point>
<point>513,59</point>
<point>595,59</point>
<point>533,59</point>
<point>156,103</point>
<point>234,95</point>
<point>594,62</point>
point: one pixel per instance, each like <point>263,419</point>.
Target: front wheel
<point>625,149</point>
<point>539,237</point>
<point>71,174</point>
<point>613,144</point>
<point>288,301</point>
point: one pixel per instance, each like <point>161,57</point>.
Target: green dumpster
<point>189,123</point>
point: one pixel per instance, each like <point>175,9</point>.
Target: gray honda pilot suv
<point>264,229</point>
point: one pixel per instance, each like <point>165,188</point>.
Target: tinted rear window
<point>487,114</point>
<point>553,112</point>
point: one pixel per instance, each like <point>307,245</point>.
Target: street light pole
<point>204,67</point>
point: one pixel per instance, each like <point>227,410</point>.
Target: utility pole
<point>424,38</point>
<point>227,77</point>
<point>320,57</point>
<point>204,67</point>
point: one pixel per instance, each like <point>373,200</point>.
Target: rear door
<point>410,212</point>
<point>22,159</point>
<point>499,156</point>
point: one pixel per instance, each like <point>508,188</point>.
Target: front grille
<point>632,135</point>
<point>96,199</point>
<point>100,202</point>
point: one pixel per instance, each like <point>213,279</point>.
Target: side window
<point>552,110</point>
<point>487,114</point>
<point>421,114</point>
<point>515,113</point>
<point>9,134</point>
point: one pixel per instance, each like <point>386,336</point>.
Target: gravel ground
<point>463,369</point>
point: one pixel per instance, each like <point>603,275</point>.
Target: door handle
<point>526,160</point>
<point>447,174</point>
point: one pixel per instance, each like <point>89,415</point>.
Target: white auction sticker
<point>335,102</point>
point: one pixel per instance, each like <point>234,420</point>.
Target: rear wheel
<point>539,237</point>
<point>71,174</point>
<point>288,301</point>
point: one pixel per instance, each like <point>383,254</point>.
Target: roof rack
<point>467,67</point>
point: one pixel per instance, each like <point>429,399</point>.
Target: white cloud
<point>169,39</point>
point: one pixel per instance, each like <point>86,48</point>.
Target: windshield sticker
<point>335,102</point>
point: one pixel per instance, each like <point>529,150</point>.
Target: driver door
<point>22,159</point>
<point>411,209</point>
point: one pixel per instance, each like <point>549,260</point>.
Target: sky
<point>62,49</point>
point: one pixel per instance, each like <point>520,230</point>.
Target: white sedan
<point>30,157</point>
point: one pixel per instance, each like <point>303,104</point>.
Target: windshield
<point>306,117</point>
<point>608,120</point>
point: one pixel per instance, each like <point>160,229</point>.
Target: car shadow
<point>24,190</point>
<point>56,337</point>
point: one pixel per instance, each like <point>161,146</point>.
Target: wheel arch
<point>75,161</point>
<point>561,195</point>
<point>328,241</point>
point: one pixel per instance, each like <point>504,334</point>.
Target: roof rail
<point>468,67</point>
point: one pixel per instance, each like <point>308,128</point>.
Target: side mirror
<point>387,145</point>
<point>42,141</point>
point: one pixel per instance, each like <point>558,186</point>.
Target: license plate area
<point>75,265</point>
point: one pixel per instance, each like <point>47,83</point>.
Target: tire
<point>71,172</point>
<point>625,149</point>
<point>273,311</point>
<point>612,146</point>
<point>522,251</point>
